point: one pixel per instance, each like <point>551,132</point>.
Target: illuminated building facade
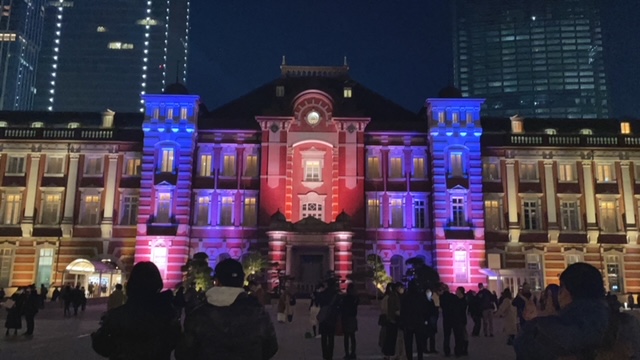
<point>21,24</point>
<point>534,58</point>
<point>316,173</point>
<point>105,54</point>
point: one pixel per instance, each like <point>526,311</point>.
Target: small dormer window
<point>4,124</point>
<point>625,128</point>
<point>280,91</point>
<point>550,131</point>
<point>586,132</point>
<point>73,125</point>
<point>347,92</point>
<point>37,124</point>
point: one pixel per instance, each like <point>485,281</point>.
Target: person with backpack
<point>487,305</point>
<point>585,328</point>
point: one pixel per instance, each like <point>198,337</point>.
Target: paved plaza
<point>68,338</point>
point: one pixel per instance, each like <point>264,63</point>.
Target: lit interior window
<point>101,29</point>
<point>37,124</point>
<point>148,22</point>
<point>8,37</point>
<point>73,125</point>
<point>348,92</point>
<point>625,128</point>
<point>116,45</point>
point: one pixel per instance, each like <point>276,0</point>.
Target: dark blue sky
<point>400,48</point>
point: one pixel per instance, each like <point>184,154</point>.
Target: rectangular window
<point>533,262</point>
<point>45,266</point>
<point>312,170</point>
<point>455,164</point>
<point>184,113</point>
<point>458,212</point>
<point>205,165</point>
<point>567,172</point>
<point>312,209</point>
<point>419,214</point>
<point>133,167</point>
<point>493,215</point>
<point>6,263</point>
<point>159,258</point>
<point>251,166</point>
<point>90,214</point>
<point>529,172</point>
<point>166,160</point>
<point>129,210</point>
<point>347,92</point>
<point>397,213</point>
<point>93,166</point>
<point>54,165</point>
<point>605,173</point>
<point>491,170</point>
<point>373,167</point>
<point>460,266</point>
<point>418,168</point>
<point>163,211</point>
<point>373,213</point>
<point>226,211</point>
<point>572,259</point>
<point>12,209</point>
<point>229,165</point>
<point>15,165</point>
<point>570,215</point>
<point>609,216</point>
<point>614,275</point>
<point>250,216</point>
<point>531,215</point>
<point>395,167</point>
<point>203,208</point>
<point>50,209</point>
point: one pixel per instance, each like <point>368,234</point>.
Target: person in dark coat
<point>179,302</point>
<point>230,324</point>
<point>43,295</point>
<point>329,301</point>
<point>413,319</point>
<point>30,308</point>
<point>349,313</point>
<point>432,324</point>
<point>460,323</point>
<point>454,319</point>
<point>475,311</point>
<point>76,299</point>
<point>55,294</point>
<point>145,327</point>
<point>520,302</point>
<point>66,296</point>
<point>2,294</point>
<point>14,313</point>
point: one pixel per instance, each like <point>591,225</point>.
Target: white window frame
<point>457,208</point>
<point>166,159</point>
<point>84,209</point>
<point>251,167</point>
<point>20,166</point>
<point>15,213</point>
<point>418,167</point>
<point>566,210</point>
<point>164,196</point>
<point>491,169</point>
<point>419,213</point>
<point>396,206</point>
<point>374,219</point>
<point>527,169</point>
<point>456,163</point>
<point>525,201</point>
<point>132,166</point>
<point>228,164</point>
<point>93,165</point>
<point>606,172</point>
<point>572,257</point>
<point>396,165</point>
<point>567,172</point>
<point>312,170</point>
<point>250,218</point>
<point>374,166</point>
<point>51,253</point>
<point>490,218</point>
<point>132,217</point>
<point>44,203</point>
<point>461,265</point>
<point>205,165</point>
<point>613,260</point>
<point>615,211</point>
<point>60,171</point>
<point>7,256</point>
<point>534,264</point>
<point>313,198</point>
<point>226,200</point>
<point>309,157</point>
<point>202,210</point>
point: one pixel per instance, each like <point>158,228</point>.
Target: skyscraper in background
<point>534,58</point>
<point>20,35</point>
<point>106,53</point>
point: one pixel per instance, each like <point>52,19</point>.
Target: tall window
<point>129,210</point>
<point>54,165</point>
<point>184,113</point>
<point>529,172</point>
<point>203,208</point>
<point>373,213</point>
<point>493,215</point>
<point>205,165</point>
<point>458,211</point>
<point>460,266</point>
<point>570,215</point>
<point>567,172</point>
<point>614,275</point>
<point>133,167</point>
<point>45,266</point>
<point>456,168</point>
<point>572,259</point>
<point>312,209</point>
<point>15,165</point>
<point>395,167</point>
<point>419,214</point>
<point>605,173</point>
<point>226,211</point>
<point>373,167</point>
<point>12,209</point>
<point>159,255</point>
<point>397,213</point>
<point>312,171</point>
<point>531,215</point>
<point>50,209</point>
<point>93,166</point>
<point>166,160</point>
<point>397,268</point>
<point>251,166</point>
<point>534,263</point>
<point>490,170</point>
<point>229,165</point>
<point>609,216</point>
<point>418,168</point>
<point>6,263</point>
<point>250,216</point>
<point>163,210</point>
<point>90,214</point>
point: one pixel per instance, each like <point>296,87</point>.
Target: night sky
<point>401,49</point>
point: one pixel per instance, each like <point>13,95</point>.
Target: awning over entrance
<point>84,266</point>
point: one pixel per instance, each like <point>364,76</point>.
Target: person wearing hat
<point>230,324</point>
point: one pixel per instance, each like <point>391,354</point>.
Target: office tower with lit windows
<point>20,34</point>
<point>534,58</point>
<point>105,54</point>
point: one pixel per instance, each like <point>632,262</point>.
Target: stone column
<point>32,189</point>
<point>70,196</point>
<point>512,201</point>
<point>550,194</point>
<point>109,196</point>
<point>629,206</point>
<point>589,199</point>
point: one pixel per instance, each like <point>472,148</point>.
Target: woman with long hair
<point>510,315</point>
<point>549,303</point>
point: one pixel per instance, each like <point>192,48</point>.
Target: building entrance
<point>309,267</point>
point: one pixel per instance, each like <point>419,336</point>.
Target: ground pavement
<point>59,338</point>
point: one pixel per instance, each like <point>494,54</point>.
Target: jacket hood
<point>223,295</point>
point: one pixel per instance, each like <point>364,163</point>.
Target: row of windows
<point>203,211</point>
<point>55,165</point>
<point>396,215</point>
<point>227,165</point>
<point>395,167</point>
<point>43,270</point>
<point>567,172</point>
